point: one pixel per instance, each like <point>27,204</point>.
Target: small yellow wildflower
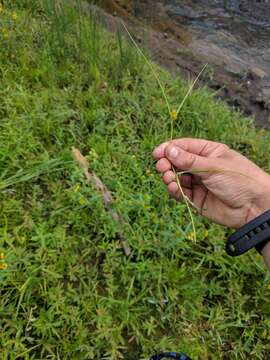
<point>5,33</point>
<point>77,188</point>
<point>82,201</point>
<point>190,236</point>
<point>206,233</point>
<point>2,256</point>
<point>173,114</point>
<point>3,266</point>
<point>268,286</point>
<point>93,155</point>
<point>14,16</point>
<point>1,8</point>
<point>149,173</point>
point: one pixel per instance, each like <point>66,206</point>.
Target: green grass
<point>68,291</point>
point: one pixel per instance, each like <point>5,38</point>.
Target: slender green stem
<point>151,67</point>
<point>187,204</point>
<point>213,171</point>
<point>190,89</point>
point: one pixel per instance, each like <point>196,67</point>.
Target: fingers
<point>159,151</point>
<point>185,180</point>
<point>177,193</point>
<point>187,155</point>
<point>163,165</point>
<point>173,188</point>
<point>196,146</point>
<point>184,160</point>
<point>168,177</point>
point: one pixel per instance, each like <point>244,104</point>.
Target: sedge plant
<point>173,115</point>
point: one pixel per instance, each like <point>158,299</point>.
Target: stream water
<point>232,36</point>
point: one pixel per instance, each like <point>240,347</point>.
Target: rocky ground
<point>233,37</point>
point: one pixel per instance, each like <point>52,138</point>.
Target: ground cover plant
<point>67,290</point>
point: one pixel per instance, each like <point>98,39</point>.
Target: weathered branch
<point>106,195</point>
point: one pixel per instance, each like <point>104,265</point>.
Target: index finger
<point>196,146</point>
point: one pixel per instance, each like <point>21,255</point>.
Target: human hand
<point>228,188</point>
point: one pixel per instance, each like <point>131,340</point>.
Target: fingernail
<point>173,152</point>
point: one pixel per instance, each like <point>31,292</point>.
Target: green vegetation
<point>68,291</point>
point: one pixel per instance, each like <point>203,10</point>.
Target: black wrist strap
<point>256,234</point>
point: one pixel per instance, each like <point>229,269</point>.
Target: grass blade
<point>190,89</point>
<point>150,66</point>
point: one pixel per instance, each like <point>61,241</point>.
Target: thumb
<point>184,160</point>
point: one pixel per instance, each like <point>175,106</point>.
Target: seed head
<point>173,115</point>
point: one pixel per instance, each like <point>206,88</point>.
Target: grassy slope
<point>68,292</point>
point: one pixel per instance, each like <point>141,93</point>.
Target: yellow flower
<point>190,236</point>
<point>3,266</point>
<point>2,256</point>
<point>93,155</point>
<point>14,16</point>
<point>268,286</point>
<point>82,201</point>
<point>5,33</point>
<point>173,114</point>
<point>1,8</point>
<point>77,188</point>
<point>149,173</point>
<point>206,233</point>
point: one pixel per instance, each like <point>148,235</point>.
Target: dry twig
<point>106,195</point>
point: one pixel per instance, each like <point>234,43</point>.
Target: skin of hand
<point>228,188</point>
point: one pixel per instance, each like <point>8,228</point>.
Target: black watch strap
<point>256,234</point>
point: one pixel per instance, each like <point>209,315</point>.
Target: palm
<point>217,205</point>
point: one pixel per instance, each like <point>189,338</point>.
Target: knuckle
<point>189,160</point>
<point>165,178</point>
<point>224,147</point>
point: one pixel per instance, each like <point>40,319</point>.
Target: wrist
<point>261,203</point>
<point>255,211</point>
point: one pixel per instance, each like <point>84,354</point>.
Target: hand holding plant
<point>228,188</point>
